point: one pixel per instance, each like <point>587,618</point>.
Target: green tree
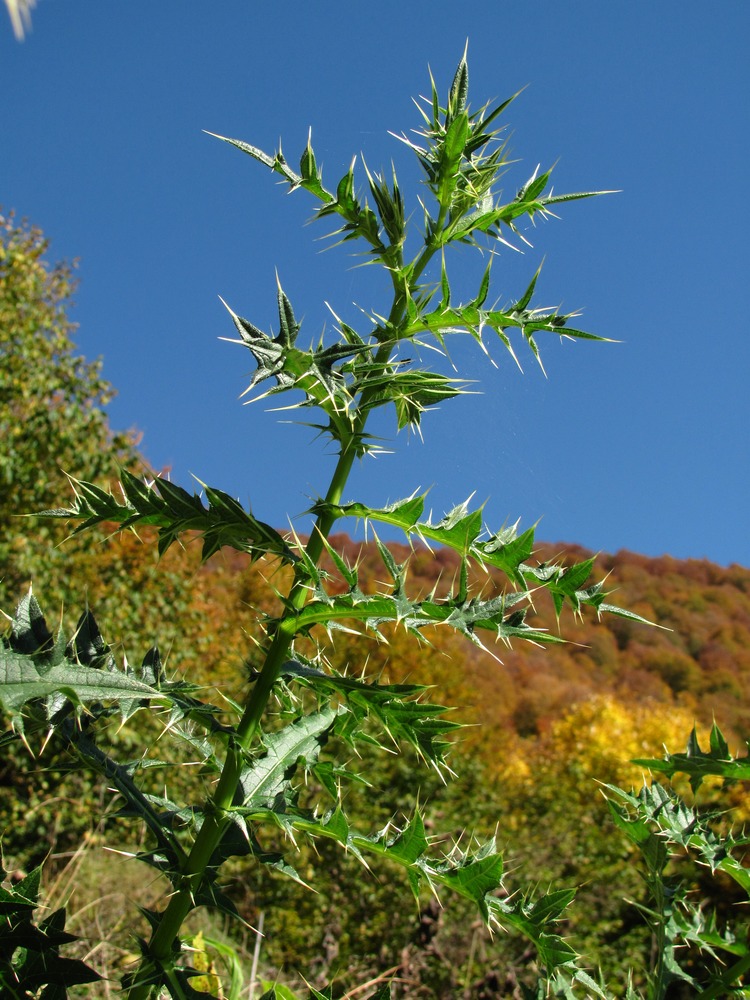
<point>53,417</point>
<point>52,405</point>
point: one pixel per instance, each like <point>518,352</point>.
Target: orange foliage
<point>696,666</point>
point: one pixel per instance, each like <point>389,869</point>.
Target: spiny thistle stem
<point>160,948</point>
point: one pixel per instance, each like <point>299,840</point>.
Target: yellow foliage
<point>594,741</point>
<point>200,959</point>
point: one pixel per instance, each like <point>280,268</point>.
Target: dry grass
<point>101,891</point>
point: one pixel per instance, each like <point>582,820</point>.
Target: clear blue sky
<point>640,445</point>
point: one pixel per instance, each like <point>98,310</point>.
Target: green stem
<point>727,980</point>
<point>159,953</point>
<point>659,890</point>
<point>118,776</point>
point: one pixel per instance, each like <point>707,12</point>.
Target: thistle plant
<point>258,754</point>
<point>692,947</point>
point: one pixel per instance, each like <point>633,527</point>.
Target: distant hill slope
<point>702,662</point>
<point>698,659</point>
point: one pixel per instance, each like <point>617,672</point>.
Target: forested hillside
<point>545,727</point>
<point>618,691</point>
<point>697,659</point>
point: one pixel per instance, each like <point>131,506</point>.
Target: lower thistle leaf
<point>30,959</point>
<point>22,680</point>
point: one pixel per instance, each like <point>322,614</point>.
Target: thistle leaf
<point>82,672</point>
<point>310,175</point>
<point>23,680</point>
<point>410,392</point>
<point>267,777</point>
<point>459,90</point>
<point>30,959</point>
<point>396,707</point>
<point>174,512</point>
<point>699,764</point>
<point>276,163</point>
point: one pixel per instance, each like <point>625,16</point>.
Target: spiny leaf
<point>465,616</point>
<point>397,707</point>
<point>523,302</point>
<point>390,206</point>
<point>459,90</point>
<point>473,319</point>
<point>472,875</point>
<point>699,764</point>
<point>657,819</point>
<point>268,775</point>
<point>276,162</point>
<point>346,200</point>
<point>24,894</point>
<point>475,875</point>
<point>288,326</point>
<point>174,512</point>
<point>461,530</point>
<point>22,681</point>
<point>30,959</point>
<point>29,632</point>
<point>311,178</point>
<point>83,672</point>
<point>323,374</point>
<point>411,392</point>
<point>88,646</point>
<point>535,916</point>
<point>458,529</point>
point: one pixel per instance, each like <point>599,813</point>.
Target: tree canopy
<point>52,400</point>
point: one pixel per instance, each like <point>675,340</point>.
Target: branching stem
<point>159,954</point>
